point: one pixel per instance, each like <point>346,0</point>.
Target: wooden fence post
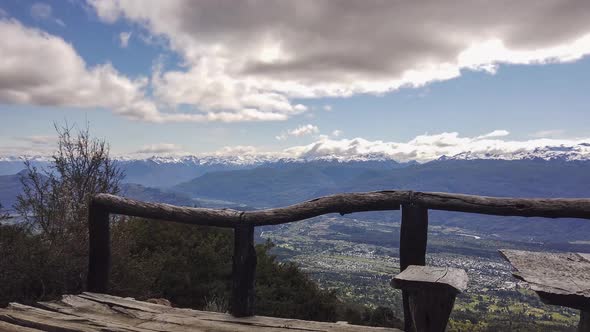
<point>99,249</point>
<point>584,324</point>
<point>244,271</point>
<point>412,248</point>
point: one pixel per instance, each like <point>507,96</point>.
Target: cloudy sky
<point>413,79</point>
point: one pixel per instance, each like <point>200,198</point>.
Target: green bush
<point>189,265</point>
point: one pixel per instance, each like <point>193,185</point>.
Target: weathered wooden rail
<point>413,234</point>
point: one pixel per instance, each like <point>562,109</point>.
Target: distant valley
<point>263,184</point>
<point>358,253</point>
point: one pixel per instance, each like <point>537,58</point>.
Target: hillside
<point>280,183</point>
<point>277,186</point>
<point>10,187</point>
<point>286,182</point>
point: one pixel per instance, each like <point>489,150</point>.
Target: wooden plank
<point>125,302</point>
<point>244,272</point>
<point>7,327</point>
<point>26,316</point>
<point>79,303</point>
<point>223,322</point>
<point>430,277</point>
<point>412,248</point>
<point>559,278</point>
<point>99,248</point>
<point>102,314</point>
<point>135,320</point>
<point>115,317</point>
<point>212,321</point>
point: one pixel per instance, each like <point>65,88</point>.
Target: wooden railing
<point>413,233</point>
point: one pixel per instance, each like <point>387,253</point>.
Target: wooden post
<point>99,249</point>
<point>244,271</point>
<point>412,248</point>
<point>431,310</point>
<point>584,325</point>
<point>431,294</point>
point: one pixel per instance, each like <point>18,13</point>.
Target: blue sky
<point>200,78</point>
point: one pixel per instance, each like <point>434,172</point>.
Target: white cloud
<point>124,39</point>
<point>550,133</point>
<point>250,56</point>
<point>327,108</point>
<point>36,145</point>
<point>336,133</point>
<point>256,61</point>
<point>42,11</point>
<point>237,150</point>
<point>495,133</point>
<point>161,149</point>
<point>38,139</point>
<point>62,78</point>
<point>302,130</point>
<point>422,148</point>
<point>428,147</point>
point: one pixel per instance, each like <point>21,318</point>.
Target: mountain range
<point>262,183</point>
<point>168,171</point>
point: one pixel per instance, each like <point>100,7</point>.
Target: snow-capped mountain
<point>165,171</point>
<point>579,151</point>
<point>565,153</point>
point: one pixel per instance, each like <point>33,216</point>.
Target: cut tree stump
<point>431,291</point>
<point>561,279</point>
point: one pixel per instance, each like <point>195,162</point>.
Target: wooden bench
<point>432,292</point>
<point>558,278</point>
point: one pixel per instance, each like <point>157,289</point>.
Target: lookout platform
<point>99,312</point>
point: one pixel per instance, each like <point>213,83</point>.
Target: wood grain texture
<point>99,249</point>
<point>505,206</point>
<point>584,325</point>
<point>413,236</point>
<point>349,203</point>
<point>431,293</point>
<point>429,277</point>
<point>559,278</point>
<point>430,310</point>
<point>7,327</point>
<point>196,216</point>
<point>412,248</point>
<point>244,272</point>
<point>99,312</point>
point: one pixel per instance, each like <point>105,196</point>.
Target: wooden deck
<point>98,312</point>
